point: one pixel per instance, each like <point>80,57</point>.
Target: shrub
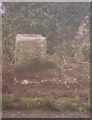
<point>35,65</point>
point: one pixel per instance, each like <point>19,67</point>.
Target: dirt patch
<point>69,84</point>
<point>43,114</point>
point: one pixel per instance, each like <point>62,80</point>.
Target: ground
<point>43,114</point>
<point>72,83</point>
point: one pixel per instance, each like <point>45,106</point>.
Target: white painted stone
<point>28,47</point>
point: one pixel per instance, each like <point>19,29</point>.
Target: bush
<point>35,65</point>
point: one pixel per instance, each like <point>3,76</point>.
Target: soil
<point>73,78</point>
<point>43,114</point>
<point>34,85</point>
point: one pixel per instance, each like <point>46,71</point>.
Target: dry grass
<point>9,101</point>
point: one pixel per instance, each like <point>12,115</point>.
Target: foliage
<point>36,64</point>
<point>52,20</point>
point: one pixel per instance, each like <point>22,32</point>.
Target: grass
<point>9,101</point>
<point>63,105</point>
<point>69,104</point>
<point>88,105</point>
<point>36,102</point>
<point>27,103</point>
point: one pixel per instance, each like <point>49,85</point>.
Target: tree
<point>58,22</point>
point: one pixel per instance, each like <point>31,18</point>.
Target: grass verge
<point>9,101</point>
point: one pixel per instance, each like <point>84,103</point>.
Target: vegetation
<point>36,102</point>
<point>9,101</point>
<point>65,104</point>
<point>52,20</point>
<point>63,85</point>
<point>87,106</point>
<point>22,102</point>
<point>37,64</point>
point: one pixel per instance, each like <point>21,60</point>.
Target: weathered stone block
<point>28,47</point>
